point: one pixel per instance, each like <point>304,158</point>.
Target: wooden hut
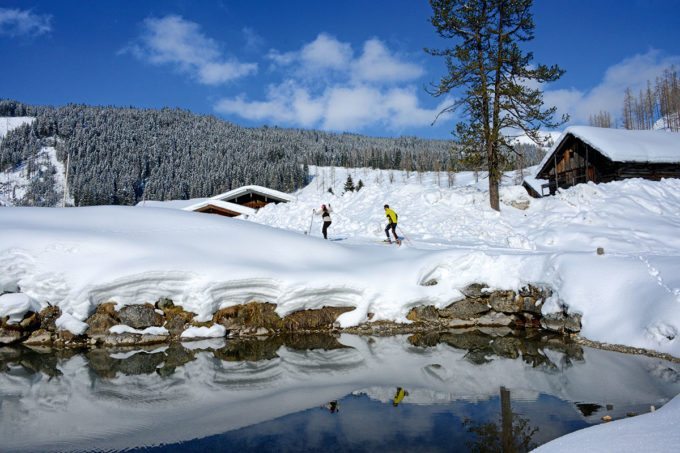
<point>245,201</point>
<point>583,154</point>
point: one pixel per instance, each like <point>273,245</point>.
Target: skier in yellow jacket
<point>392,225</point>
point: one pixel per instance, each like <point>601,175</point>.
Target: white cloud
<point>253,40</point>
<point>326,52</point>
<point>327,87</point>
<point>175,41</point>
<point>633,73</point>
<point>286,103</point>
<point>377,64</point>
<point>322,56</point>
<point>338,107</point>
<point>16,22</point>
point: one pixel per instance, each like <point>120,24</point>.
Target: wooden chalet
<point>245,201</point>
<point>584,154</point>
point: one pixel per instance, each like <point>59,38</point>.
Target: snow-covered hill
<point>39,180</point>
<point>8,123</point>
<point>80,257</point>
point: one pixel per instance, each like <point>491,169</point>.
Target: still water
<point>440,392</point>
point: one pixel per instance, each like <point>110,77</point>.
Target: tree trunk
<point>494,198</point>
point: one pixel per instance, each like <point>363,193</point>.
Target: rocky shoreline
<point>504,312</point>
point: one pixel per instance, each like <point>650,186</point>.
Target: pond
<point>448,391</point>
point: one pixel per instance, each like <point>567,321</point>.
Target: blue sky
<point>337,65</point>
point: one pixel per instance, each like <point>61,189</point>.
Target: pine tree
<point>492,72</point>
<point>360,185</point>
<point>349,184</point>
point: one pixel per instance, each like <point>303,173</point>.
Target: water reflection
<point>477,389</point>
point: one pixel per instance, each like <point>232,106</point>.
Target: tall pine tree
<point>494,79</point>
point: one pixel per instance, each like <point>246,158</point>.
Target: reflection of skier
<point>333,407</point>
<point>392,225</point>
<point>399,396</point>
<point>325,214</point>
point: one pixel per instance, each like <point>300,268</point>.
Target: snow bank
<point>122,328</point>
<point>15,306</point>
<point>78,258</point>
<point>214,331</point>
<point>656,431</point>
<point>67,322</point>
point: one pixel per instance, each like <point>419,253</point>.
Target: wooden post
<point>555,167</point>
<point>506,422</point>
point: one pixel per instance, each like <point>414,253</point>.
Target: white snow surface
<point>170,204</point>
<point>122,328</point>
<point>67,322</point>
<point>240,209</point>
<point>214,331</point>
<point>78,258</point>
<point>234,193</point>
<point>7,123</point>
<point>15,306</point>
<point>657,431</point>
<point>622,145</point>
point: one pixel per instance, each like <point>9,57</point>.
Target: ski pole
<point>403,233</point>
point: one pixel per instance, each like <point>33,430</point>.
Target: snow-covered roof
<point>240,209</point>
<point>535,183</point>
<point>170,204</point>
<point>264,191</point>
<point>622,145</point>
<point>220,200</point>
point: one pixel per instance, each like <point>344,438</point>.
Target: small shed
<point>244,200</point>
<point>584,153</point>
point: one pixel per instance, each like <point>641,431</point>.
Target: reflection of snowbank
<point>207,396</point>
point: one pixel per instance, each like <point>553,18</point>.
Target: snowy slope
<point>8,123</point>
<point>78,258</point>
<point>15,182</point>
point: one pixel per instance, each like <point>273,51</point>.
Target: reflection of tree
<point>588,409</point>
<point>514,435</point>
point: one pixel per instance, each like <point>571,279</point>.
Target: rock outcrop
<point>146,324</point>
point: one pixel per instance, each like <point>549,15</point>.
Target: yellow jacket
<point>391,215</point>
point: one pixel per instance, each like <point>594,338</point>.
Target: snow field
<point>79,258</point>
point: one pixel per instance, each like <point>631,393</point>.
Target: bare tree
<point>628,103</point>
<point>601,119</point>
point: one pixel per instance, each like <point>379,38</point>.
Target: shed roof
<point>225,205</point>
<point>264,191</point>
<point>622,145</point>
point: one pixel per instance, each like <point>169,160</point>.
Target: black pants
<point>324,230</point>
<point>393,227</point>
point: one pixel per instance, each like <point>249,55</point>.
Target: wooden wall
<point>576,162</point>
